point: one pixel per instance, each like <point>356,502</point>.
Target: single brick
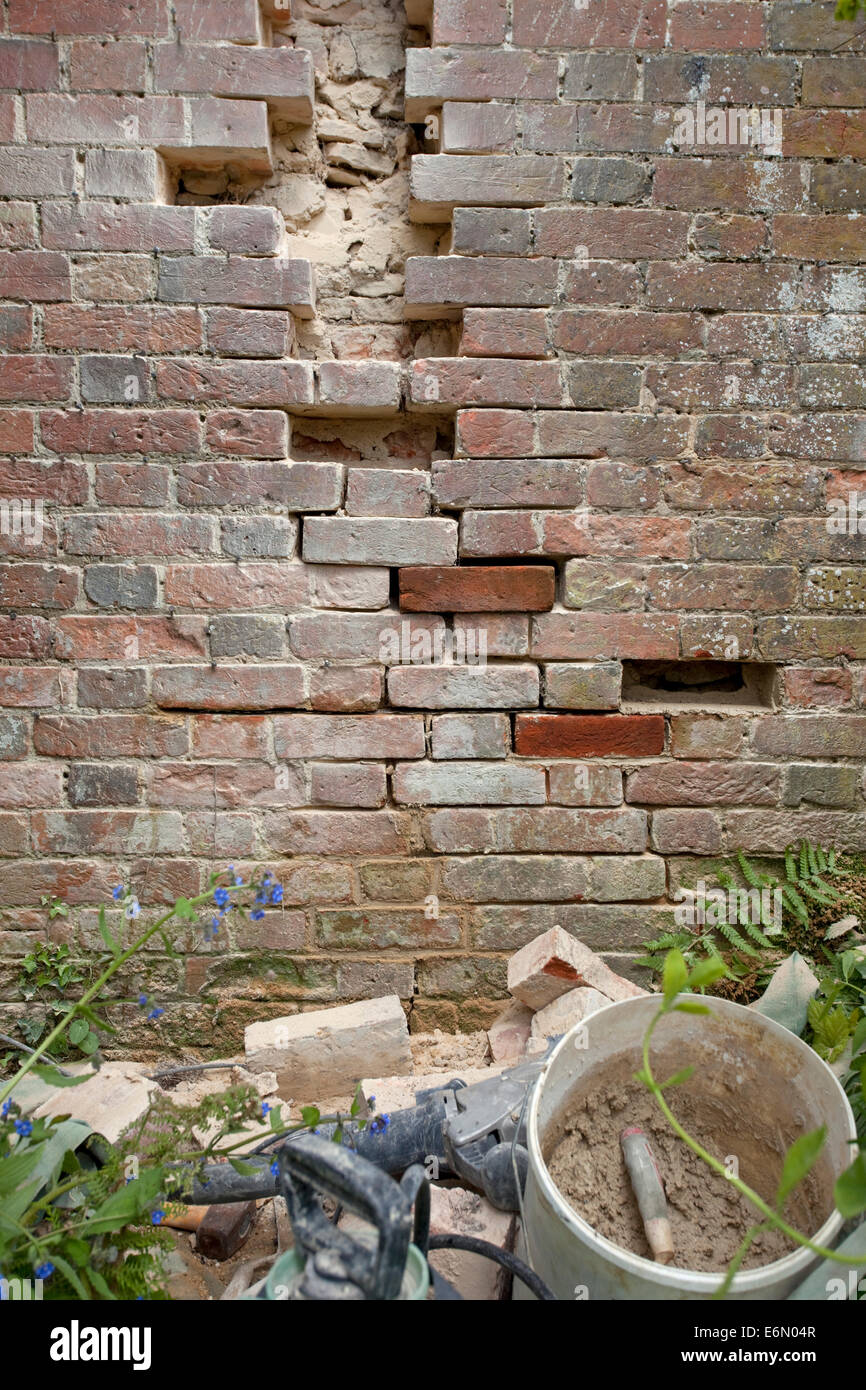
<point>705,784</point>
<point>388,492</point>
<point>514,878</point>
<point>555,963</point>
<point>99,784</point>
<point>250,231</point>
<point>375,541</point>
<point>468,784</point>
<point>36,173</point>
<point>686,832</point>
<point>445,381</point>
<point>114,380</point>
<point>437,286</point>
<point>270,284</point>
<point>135,174</point>
<point>345,689</point>
<point>478,589</point>
<point>346,737</point>
<point>585,784</point>
<point>438,181</point>
<point>122,586</point>
<point>228,687</point>
<point>249,332</point>
<point>258,537</point>
<point>583,685</point>
<point>348,784</point>
<point>491,231</point>
<point>512,483</point>
<point>360,388</point>
<point>467,687</point>
<point>283,77</point>
<point>504,333</point>
<point>470,736</point>
<point>466,74</point>
<point>262,636</point>
<point>587,735</point>
<point>455,21</point>
<point>331,1048</point>
<point>478,128</point>
<point>112,688</point>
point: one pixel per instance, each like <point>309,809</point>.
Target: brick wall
<point>232,561</point>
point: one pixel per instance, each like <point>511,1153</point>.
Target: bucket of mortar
<point>574,1259</point>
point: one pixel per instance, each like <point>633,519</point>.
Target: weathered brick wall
<point>230,525</point>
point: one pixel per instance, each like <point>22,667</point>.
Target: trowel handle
<point>649,1191</point>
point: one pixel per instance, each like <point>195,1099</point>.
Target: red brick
<point>707,27</point>
<point>345,689</point>
<point>236,383</point>
<point>138,534</point>
<point>817,687</point>
<point>38,586</point>
<point>110,736</point>
<point>29,378</point>
<point>132,484</point>
<point>444,381</point>
<point>481,589</point>
<point>495,433</point>
<point>612,233</point>
<point>34,276</point>
<point>732,185</point>
<point>17,226</point>
<point>236,21</point>
<point>626,332</point>
<point>537,830</point>
<point>588,735</point>
<point>504,333</point>
<point>269,284</point>
<point>467,74</point>
<point>605,24</point>
<point>16,431</point>
<point>101,637</point>
<point>23,638</point>
<point>105,120</point>
<point>469,21</point>
<point>507,483</point>
<point>705,784</point>
<point>721,287</point>
<point>29,66</point>
<point>246,586</point>
<point>16,327</point>
<point>249,332</point>
<point>29,687</point>
<point>822,134</point>
<point>107,67</point>
<point>121,431</point>
<point>250,433</point>
<point>147,17</point>
<point>437,286</point>
<point>97,226</point>
<point>228,687</point>
<point>832,237</point>
<point>121,328</point>
<point>283,77</point>
<point>599,636</point>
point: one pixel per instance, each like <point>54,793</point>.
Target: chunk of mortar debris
<point>509,1032</point>
<point>555,963</point>
<point>329,1050</point>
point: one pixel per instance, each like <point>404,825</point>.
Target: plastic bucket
<point>564,1249</point>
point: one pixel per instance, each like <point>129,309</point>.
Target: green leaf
<point>275,1118</point>
<point>310,1114</point>
<point>850,1189</point>
<point>56,1078</point>
<point>77,1031</point>
<point>77,1250</point>
<point>106,934</point>
<point>184,909</point>
<point>674,975</point>
<point>859,1038</point>
<point>245,1169</point>
<point>89,1044</point>
<point>799,1160</point>
<point>706,972</point>
<point>686,1006</point>
<point>127,1204</point>
<point>678,1078</point>
<point>69,1273</point>
<point>15,1167</point>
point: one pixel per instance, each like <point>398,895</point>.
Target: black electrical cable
<point>508,1261</point>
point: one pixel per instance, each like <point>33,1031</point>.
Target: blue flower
<point>265,1108</point>
<point>380,1124</point>
<point>277,893</point>
<point>268,878</point>
<point>157,1217</point>
<point>142,1000</point>
<point>239,883</point>
<point>257,914</point>
<point>44,1271</point>
<point>221,896</point>
<point>134,908</point>
<point>156,1013</point>
<point>275,1168</point>
<point>117,893</point>
<point>23,1127</point>
<point>5,1108</point>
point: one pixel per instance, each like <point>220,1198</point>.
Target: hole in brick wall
<point>673,684</point>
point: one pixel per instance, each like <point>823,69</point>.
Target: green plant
<point>850,1188</point>
<point>56,906</point>
<point>848,9</point>
<point>806,872</point>
<point>48,975</point>
<point>92,1229</point>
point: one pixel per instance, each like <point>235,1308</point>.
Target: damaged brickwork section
<point>434,469</point>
